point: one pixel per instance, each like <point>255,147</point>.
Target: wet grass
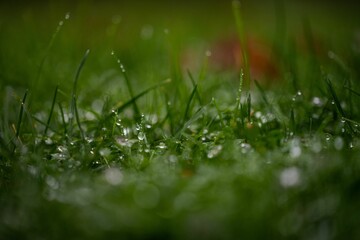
<point>150,150</point>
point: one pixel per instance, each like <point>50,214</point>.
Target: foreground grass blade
<point>186,114</point>
<point>194,83</point>
<point>74,110</point>
<point>337,103</point>
<point>132,100</point>
<point>21,113</point>
<point>63,118</point>
<point>262,92</point>
<point>47,51</point>
<point>20,118</point>
<point>128,85</point>
<point>51,110</point>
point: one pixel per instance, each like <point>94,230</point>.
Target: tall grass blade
<point>262,93</point>
<point>337,103</point>
<point>47,51</point>
<point>63,118</point>
<point>128,85</point>
<point>74,91</point>
<point>51,110</point>
<point>194,83</point>
<point>20,118</point>
<point>188,105</point>
<point>236,7</point>
<point>195,117</point>
<point>135,98</point>
<point>21,113</point>
<point>249,107</point>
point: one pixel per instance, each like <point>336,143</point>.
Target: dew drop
<point>141,136</point>
<point>214,151</point>
<point>105,152</point>
<point>316,101</point>
<point>113,176</point>
<point>161,146</point>
<point>67,16</point>
<point>338,143</point>
<point>290,177</point>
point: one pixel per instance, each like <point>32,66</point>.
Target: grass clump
<point>213,158</point>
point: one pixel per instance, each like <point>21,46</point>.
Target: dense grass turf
<point>105,134</point>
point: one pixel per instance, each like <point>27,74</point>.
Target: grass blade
<point>249,107</point>
<point>337,103</point>
<point>186,114</point>
<point>47,51</point>
<point>128,84</point>
<point>63,118</point>
<point>21,113</point>
<point>262,92</point>
<point>132,100</point>
<point>193,83</point>
<point>352,91</point>
<point>74,110</point>
<point>51,110</point>
<point>242,38</point>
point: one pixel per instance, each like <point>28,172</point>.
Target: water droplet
<point>67,16</point>
<point>173,159</point>
<point>105,152</point>
<point>113,176</point>
<point>112,53</point>
<point>208,53</point>
<point>122,67</point>
<point>316,146</point>
<point>338,143</point>
<point>214,151</point>
<point>161,146</point>
<point>290,177</point>
<point>258,114</point>
<point>295,151</point>
<point>245,147</point>
<point>61,23</point>
<point>52,182</point>
<point>299,93</point>
<point>316,101</point>
<point>141,136</point>
<point>48,141</point>
<point>148,126</point>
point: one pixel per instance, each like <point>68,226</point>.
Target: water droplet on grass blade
<point>105,152</point>
<point>141,136</point>
<point>67,16</point>
<point>316,101</point>
<point>338,143</point>
<point>113,176</point>
<point>214,151</point>
<point>290,177</point>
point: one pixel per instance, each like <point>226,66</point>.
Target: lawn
<point>180,120</point>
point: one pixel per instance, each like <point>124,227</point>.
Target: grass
<point>154,151</point>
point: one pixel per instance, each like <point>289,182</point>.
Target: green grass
<point>104,135</point>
